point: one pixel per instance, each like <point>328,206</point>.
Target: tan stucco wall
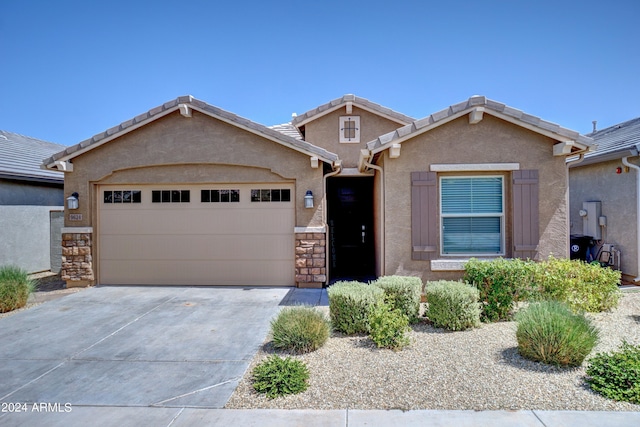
<point>325,132</point>
<point>176,149</point>
<point>599,182</point>
<point>490,141</point>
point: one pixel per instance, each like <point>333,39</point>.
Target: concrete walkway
<point>121,416</point>
<point>146,356</point>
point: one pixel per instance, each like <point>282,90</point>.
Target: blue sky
<point>72,69</point>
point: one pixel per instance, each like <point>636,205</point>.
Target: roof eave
<point>578,142</point>
<point>354,103</point>
<point>31,178</point>
<point>311,151</point>
<point>122,129</point>
<point>614,155</point>
<point>95,142</point>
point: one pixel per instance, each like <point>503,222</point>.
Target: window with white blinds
<point>472,215</point>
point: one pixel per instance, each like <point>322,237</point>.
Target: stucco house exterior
<point>31,201</point>
<point>607,181</point>
<point>190,194</point>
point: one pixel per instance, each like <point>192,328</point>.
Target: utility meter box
<point>591,213</point>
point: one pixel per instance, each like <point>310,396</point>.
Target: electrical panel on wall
<point>591,213</point>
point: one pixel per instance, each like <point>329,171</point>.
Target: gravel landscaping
<point>48,286</point>
<point>478,369</point>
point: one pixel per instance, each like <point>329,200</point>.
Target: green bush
<point>501,283</point>
<point>276,376</point>
<point>350,304</point>
<point>616,375</point>
<point>15,287</point>
<point>405,292</point>
<point>300,329</point>
<point>452,305</point>
<point>551,333</point>
<point>584,287</point>
<point>389,327</point>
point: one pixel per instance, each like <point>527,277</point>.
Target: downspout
<point>382,209</point>
<point>568,197</point>
<point>576,161</point>
<point>637,168</point>
<point>327,246</point>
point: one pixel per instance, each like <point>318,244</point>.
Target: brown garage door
<point>235,234</point>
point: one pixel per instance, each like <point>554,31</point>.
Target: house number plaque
<point>75,217</point>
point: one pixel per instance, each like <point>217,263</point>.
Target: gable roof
<point>21,157</point>
<point>287,129</point>
<point>349,99</point>
<point>478,105</point>
<point>615,142</point>
<point>185,104</point>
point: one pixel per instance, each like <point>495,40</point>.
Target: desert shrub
<point>501,283</point>
<point>452,305</point>
<point>350,304</point>
<point>388,327</point>
<point>15,288</point>
<point>276,376</point>
<point>404,292</point>
<point>616,375</point>
<point>549,332</point>
<point>582,286</point>
<point>300,329</point>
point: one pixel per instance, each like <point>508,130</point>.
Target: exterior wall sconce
<point>308,199</point>
<point>72,201</point>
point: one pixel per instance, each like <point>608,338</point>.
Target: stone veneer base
<point>310,261</point>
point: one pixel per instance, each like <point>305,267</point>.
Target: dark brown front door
<point>351,239</point>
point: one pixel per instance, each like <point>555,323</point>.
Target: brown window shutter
<point>525,214</point>
<point>424,209</point>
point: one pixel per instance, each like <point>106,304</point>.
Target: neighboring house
<point>191,194</point>
<point>610,176</point>
<point>31,203</point>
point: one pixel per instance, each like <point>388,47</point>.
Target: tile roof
<point>287,129</point>
<point>21,157</point>
<point>174,105</point>
<point>491,107</point>
<point>357,101</point>
<point>618,138</point>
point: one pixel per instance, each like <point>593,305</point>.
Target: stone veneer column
<point>311,267</point>
<point>77,256</point>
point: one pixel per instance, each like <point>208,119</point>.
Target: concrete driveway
<point>135,346</point>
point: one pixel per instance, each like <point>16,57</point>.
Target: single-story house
<point>31,204</point>
<point>605,202</point>
<point>188,193</point>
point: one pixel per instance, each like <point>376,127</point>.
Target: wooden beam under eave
<point>64,166</point>
<point>563,148</point>
<point>475,115</point>
<point>394,151</point>
<point>185,110</point>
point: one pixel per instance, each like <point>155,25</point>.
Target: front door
<point>351,238</point>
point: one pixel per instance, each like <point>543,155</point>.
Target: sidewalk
<point>180,417</point>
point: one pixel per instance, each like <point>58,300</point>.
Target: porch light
<point>72,201</point>
<point>308,199</point>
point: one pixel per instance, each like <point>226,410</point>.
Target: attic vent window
<point>350,129</point>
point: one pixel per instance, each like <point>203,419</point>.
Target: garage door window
<point>220,196</point>
<point>170,196</point>
<point>128,196</point>
<point>272,195</point>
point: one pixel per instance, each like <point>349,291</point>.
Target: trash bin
<point>580,246</point>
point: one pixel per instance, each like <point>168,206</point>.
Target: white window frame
<point>492,215</point>
<point>356,138</point>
